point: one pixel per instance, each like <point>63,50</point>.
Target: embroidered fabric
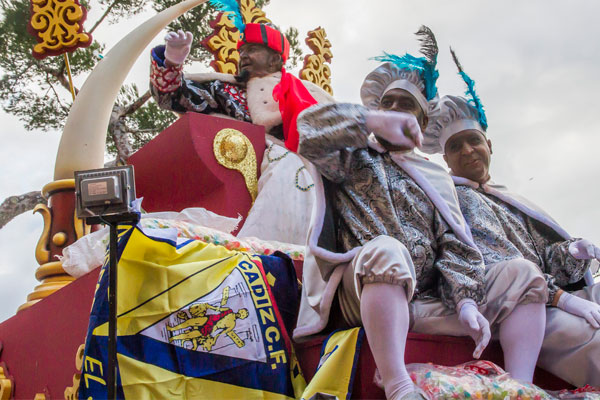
<point>285,199</point>
<point>503,233</point>
<point>88,252</point>
<point>374,196</point>
<point>173,92</point>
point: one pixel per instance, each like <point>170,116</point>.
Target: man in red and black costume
<point>262,93</point>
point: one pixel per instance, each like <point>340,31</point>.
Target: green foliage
<point>37,110</point>
<point>144,123</point>
<point>37,91</point>
<point>120,9</point>
<point>295,52</point>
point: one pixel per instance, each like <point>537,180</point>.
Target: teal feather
<point>233,8</point>
<point>406,61</point>
<point>426,70</point>
<point>474,100</point>
<point>425,65</point>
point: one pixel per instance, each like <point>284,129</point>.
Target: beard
<point>243,76</point>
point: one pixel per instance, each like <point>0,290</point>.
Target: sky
<point>535,64</point>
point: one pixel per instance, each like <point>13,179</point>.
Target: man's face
<point>401,100</point>
<point>468,155</point>
<point>258,60</point>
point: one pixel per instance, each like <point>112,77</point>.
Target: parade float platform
<point>41,347</point>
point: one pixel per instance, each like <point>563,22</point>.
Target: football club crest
<point>194,321</point>
<point>222,322</point>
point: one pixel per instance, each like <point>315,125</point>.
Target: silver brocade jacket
<point>373,196</point>
<point>502,232</point>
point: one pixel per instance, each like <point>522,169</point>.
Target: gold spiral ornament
<point>234,150</point>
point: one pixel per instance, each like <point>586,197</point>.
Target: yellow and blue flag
<point>195,321</point>
<point>337,366</point>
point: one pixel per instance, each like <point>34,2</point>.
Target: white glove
<point>583,249</point>
<point>581,307</point>
<point>397,128</point>
<point>475,325</point>
<point>178,46</point>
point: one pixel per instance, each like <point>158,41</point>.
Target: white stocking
<point>384,314</point>
<point>521,336</point>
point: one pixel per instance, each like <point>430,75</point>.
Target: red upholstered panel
<point>420,348</point>
<point>177,169</point>
<point>40,343</point>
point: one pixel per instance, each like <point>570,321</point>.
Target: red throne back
<point>178,168</point>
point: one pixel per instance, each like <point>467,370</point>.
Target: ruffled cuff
<point>458,297</point>
<point>464,302</point>
<point>325,128</point>
<point>165,79</point>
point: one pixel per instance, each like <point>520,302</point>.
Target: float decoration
<point>234,150</point>
<point>61,228</point>
<point>57,26</point>
<point>7,382</point>
<point>72,392</point>
<point>222,43</point>
<point>314,69</point>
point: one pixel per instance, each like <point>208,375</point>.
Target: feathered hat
<point>451,115</point>
<point>266,34</point>
<point>416,75</point>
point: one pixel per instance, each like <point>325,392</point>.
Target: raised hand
<point>178,45</point>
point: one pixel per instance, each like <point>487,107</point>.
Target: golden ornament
<point>57,26</point>
<point>234,150</point>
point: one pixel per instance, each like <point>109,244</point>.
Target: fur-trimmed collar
<point>212,76</point>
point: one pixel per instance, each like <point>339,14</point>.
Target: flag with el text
<point>194,321</point>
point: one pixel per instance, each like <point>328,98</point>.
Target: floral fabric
<point>502,233</point>
<point>250,244</point>
<point>373,196</point>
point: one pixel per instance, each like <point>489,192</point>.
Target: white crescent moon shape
<point>84,136</point>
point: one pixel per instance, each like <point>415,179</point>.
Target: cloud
<point>17,262</point>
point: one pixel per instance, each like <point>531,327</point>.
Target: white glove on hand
<point>583,249</point>
<point>178,46</point>
<point>581,307</point>
<point>475,325</point>
<point>397,128</point>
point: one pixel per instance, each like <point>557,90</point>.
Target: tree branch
<point>114,3</point>
<point>55,93</point>
<point>58,74</point>
<point>146,130</point>
<point>130,109</point>
<point>119,132</point>
<point>16,205</point>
